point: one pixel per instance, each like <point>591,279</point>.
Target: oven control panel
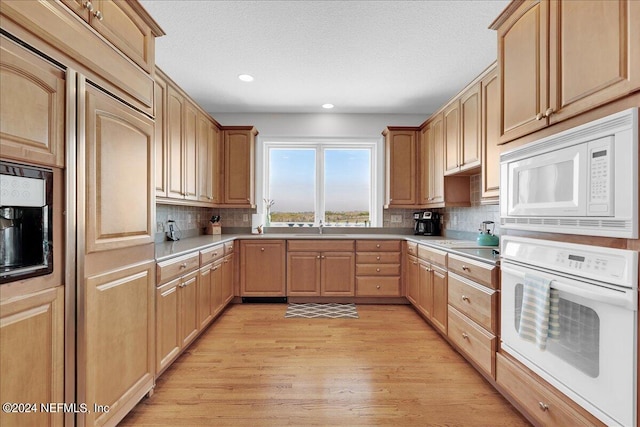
<point>608,265</point>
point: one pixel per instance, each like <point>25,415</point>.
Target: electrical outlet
<point>245,217</point>
<point>396,218</point>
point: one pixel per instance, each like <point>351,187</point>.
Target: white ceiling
<point>386,57</point>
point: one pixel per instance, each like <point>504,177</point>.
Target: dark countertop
<point>167,250</point>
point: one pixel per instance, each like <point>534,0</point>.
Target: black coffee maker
<point>426,223</point>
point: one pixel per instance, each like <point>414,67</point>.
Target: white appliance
<point>580,181</point>
<point>593,360</point>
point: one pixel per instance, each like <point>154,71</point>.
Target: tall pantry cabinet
<point>106,175</point>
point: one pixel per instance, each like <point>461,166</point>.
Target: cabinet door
<point>440,299</point>
<point>594,54</point>
<point>436,161</point>
<point>490,136</point>
<point>205,296</point>
<point>522,62</point>
<point>239,167</point>
<point>227,279</point>
<point>217,277</point>
<point>190,152</point>
<point>32,356</point>
<point>262,268</point>
<point>303,273</point>
<point>401,167</point>
<point>469,149</point>
<point>411,280</point>
<point>119,23</point>
<point>451,133</point>
<point>32,107</point>
<point>426,133</point>
<point>119,178</point>
<point>206,158</point>
<point>175,108</point>
<point>116,344</point>
<point>79,7</point>
<point>216,163</point>
<point>167,324</point>
<point>338,274</point>
<point>161,141</point>
<point>425,283</point>
<point>189,325</point>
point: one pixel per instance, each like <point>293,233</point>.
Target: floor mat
<point>326,311</point>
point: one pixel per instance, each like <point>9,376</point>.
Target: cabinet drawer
<point>323,245</point>
<point>412,248</point>
<point>486,274</point>
<point>378,270</point>
<point>378,258</point>
<point>378,286</point>
<point>228,248</point>
<point>167,270</point>
<point>378,245</point>
<point>475,301</point>
<point>211,254</point>
<point>474,341</point>
<point>546,407</point>
<point>434,256</point>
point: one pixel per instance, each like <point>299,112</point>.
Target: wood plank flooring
<point>253,367</point>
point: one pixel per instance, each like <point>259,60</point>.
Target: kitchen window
<point>308,182</point>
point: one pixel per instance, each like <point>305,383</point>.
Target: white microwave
<point>580,181</point>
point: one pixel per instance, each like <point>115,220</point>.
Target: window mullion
<point>320,214</point>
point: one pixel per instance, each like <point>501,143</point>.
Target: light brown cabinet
<point>190,169</point>
<point>228,268</point>
<point>121,24</point>
<point>320,268</point>
<point>427,286</point>
<point>32,107</point>
<point>411,272</point>
<point>451,133</point>
<point>32,356</point>
<point>239,166</point>
<point>432,163</point>
<point>208,138</point>
<point>262,268</point>
<point>378,268</point>
<point>400,171</point>
<point>462,132</point>
<point>559,59</point>
<point>490,136</point>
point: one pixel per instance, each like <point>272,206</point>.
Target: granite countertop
<point>168,249</point>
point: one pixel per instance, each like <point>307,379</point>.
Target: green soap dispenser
<point>486,236</point>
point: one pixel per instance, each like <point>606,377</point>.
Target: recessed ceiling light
<point>246,77</point>
<point>327,106</point>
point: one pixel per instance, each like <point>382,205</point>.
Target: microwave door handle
<point>605,295</point>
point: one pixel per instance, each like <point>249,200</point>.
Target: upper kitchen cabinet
<point>490,135</point>
<point>208,137</point>
<point>401,178</point>
<point>559,59</point>
<point>116,53</point>
<point>462,132</point>
<point>32,106</point>
<point>125,24</point>
<point>239,166</point>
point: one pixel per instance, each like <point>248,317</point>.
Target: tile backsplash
<point>192,220</point>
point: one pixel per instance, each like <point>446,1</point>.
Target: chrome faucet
<point>320,226</point>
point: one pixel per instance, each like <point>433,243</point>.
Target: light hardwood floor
<point>253,367</point>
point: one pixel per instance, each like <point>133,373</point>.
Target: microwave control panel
<point>600,177</point>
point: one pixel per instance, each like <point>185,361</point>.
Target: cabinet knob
<point>183,265</point>
<point>377,286</point>
<point>262,249</point>
<point>465,298</point>
<point>322,257</point>
<point>88,5</point>
<point>539,116</point>
<point>98,15</point>
<point>378,258</point>
<point>378,270</point>
<point>465,336</point>
<point>318,257</point>
<point>465,268</point>
<point>549,112</point>
<point>543,406</point>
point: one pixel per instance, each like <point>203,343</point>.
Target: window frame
<point>320,145</point>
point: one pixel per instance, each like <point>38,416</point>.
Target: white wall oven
<point>580,181</point>
<point>26,194</point>
<point>591,354</point>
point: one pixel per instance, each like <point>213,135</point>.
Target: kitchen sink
<point>314,235</point>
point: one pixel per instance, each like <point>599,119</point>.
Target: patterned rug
<point>317,311</point>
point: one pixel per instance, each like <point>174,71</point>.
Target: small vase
<point>267,222</point>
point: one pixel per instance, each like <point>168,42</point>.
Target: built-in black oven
<point>26,212</point>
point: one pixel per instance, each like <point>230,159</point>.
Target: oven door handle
<point>621,298</point>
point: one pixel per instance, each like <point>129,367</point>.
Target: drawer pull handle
<point>378,258</point>
<point>377,286</point>
<point>262,249</point>
<point>318,256</point>
<point>465,268</point>
<point>183,265</point>
<point>465,336</point>
<point>543,406</point>
<point>377,246</point>
<point>465,298</point>
<point>378,270</point>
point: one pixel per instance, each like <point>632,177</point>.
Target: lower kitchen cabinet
<point>321,268</point>
<point>411,275</point>
<point>378,268</point>
<point>430,289</point>
<point>32,357</point>
<point>228,267</point>
<point>262,268</point>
